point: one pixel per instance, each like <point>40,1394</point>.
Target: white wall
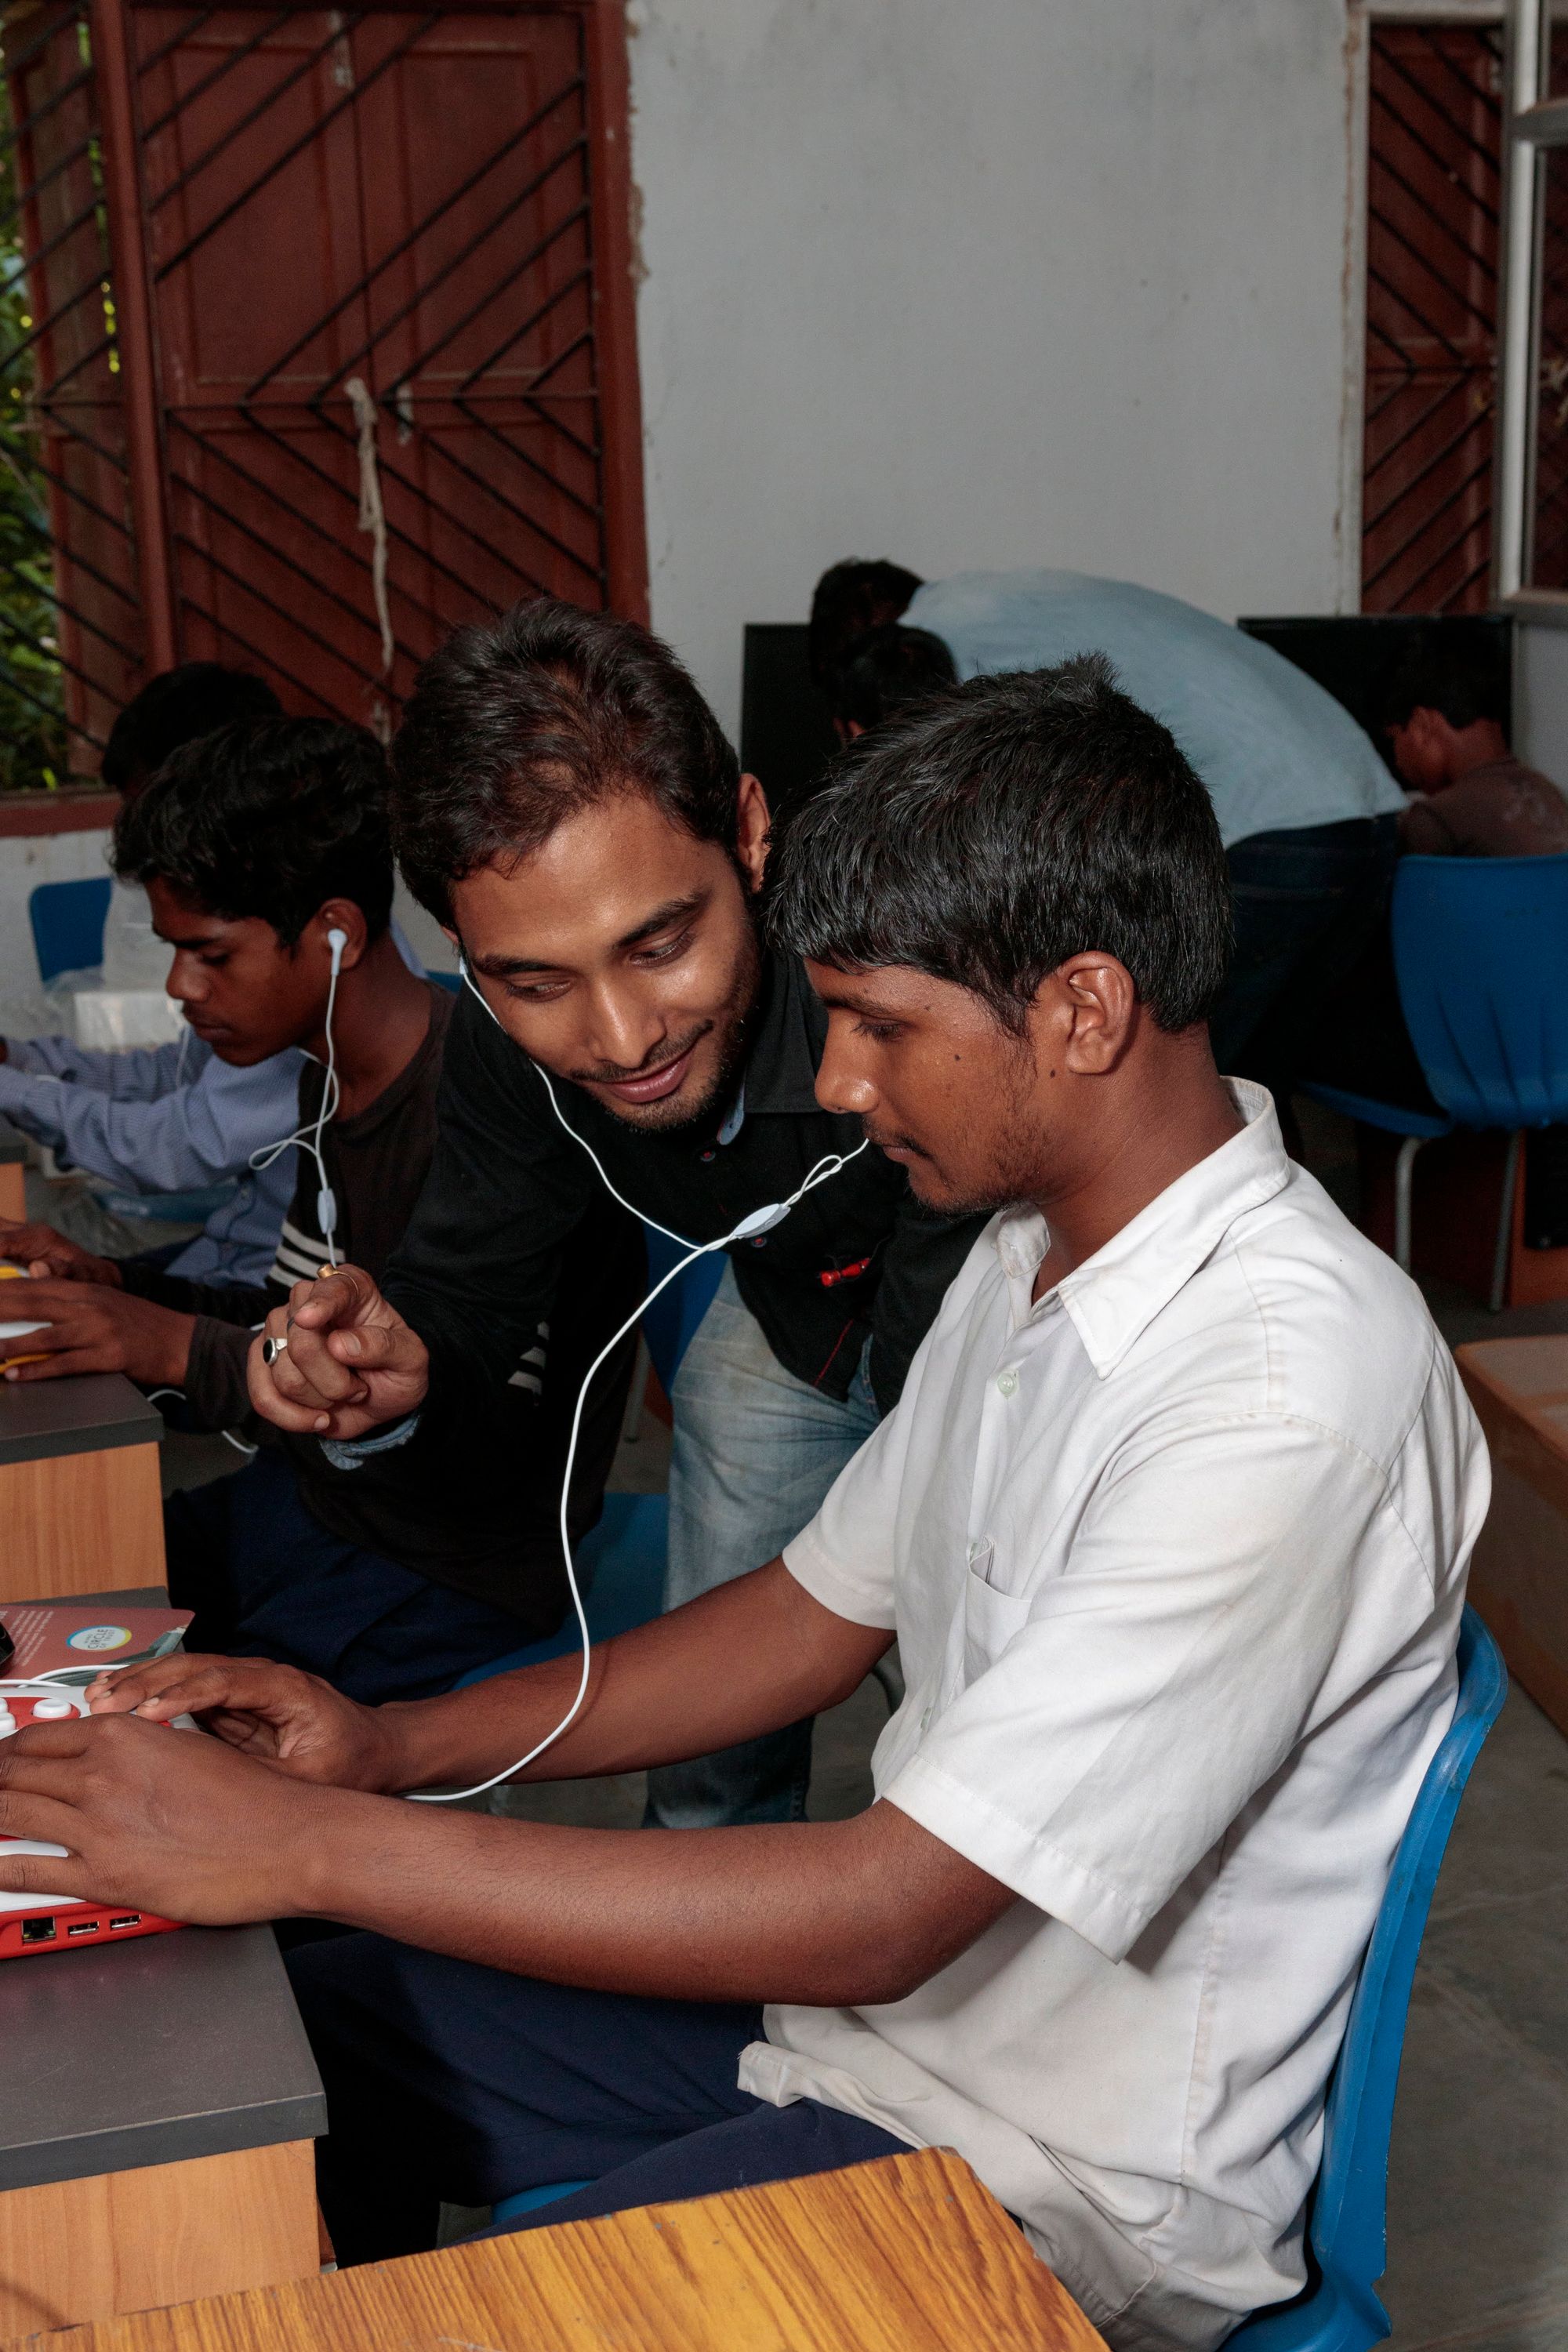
<point>1540,697</point>
<point>987,283</point>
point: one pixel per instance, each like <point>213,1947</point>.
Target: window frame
<point>1536,126</point>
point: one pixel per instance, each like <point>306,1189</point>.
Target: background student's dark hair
<point>268,817</point>
<point>1462,690</point>
<point>850,598</point>
<point>177,707</point>
<point>887,669</point>
<point>513,727</point>
<point>1021,819</point>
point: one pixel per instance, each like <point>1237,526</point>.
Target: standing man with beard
<point>567,807</point>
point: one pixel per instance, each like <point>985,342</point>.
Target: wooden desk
<point>80,1500</point>
<point>155,2135</point>
<point>906,2254</point>
<point>12,1172</point>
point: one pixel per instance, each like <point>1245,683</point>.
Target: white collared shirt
<point>1176,1558</point>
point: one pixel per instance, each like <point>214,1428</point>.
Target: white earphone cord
<point>760,1221</point>
<point>326,1203</point>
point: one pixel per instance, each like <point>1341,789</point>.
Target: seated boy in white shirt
<point>1171,1527</point>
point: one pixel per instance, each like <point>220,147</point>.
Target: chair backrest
<point>1480,950</point>
<point>67,920</point>
<point>1339,2312</point>
<point>672,1319</point>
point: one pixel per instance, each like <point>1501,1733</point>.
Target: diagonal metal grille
<point>394,200</point>
<point>70,624</point>
<point>1434,182</point>
<point>368,404</point>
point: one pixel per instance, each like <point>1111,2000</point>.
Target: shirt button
<point>1006,1384</point>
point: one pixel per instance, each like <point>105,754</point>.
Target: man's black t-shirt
<point>479,1266</point>
<point>495,1535</point>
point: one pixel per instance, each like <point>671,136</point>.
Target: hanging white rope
<point>371,514</point>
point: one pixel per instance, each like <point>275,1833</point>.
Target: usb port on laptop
<point>127,1919</point>
<point>83,1928</point>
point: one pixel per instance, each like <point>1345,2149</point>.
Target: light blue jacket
<point>170,1118</point>
<point>1276,752</point>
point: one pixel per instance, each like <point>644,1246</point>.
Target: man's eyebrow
<point>674,910</point>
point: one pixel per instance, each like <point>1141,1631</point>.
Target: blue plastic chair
<point>1480,956</point>
<point>1347,2236</point>
<point>67,919</point>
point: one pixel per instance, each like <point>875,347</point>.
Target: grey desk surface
<point>88,1415</point>
<point>150,2052</point>
<point>13,1142</point>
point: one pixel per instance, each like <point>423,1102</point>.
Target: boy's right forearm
<point>755,1656</point>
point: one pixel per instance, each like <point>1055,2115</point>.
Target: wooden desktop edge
<point>908,2254</point>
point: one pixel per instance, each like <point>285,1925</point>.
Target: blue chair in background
<point>1480,955</point>
<point>67,919</point>
<point>1347,2236</point>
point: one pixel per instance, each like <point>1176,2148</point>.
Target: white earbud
<point>337,941</point>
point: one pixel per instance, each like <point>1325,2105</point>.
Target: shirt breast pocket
<point>991,1617</point>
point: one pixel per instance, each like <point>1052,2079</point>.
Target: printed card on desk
<point>51,1639</point>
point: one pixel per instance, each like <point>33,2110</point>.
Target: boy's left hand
<point>90,1328</point>
<point>170,1821</point>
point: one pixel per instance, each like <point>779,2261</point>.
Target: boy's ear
<point>343,915</point>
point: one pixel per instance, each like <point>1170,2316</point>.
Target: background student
<point>256,847</point>
<point>172,1118</point>
<point>1171,1525</point>
<point>1469,797</point>
<point>568,807</point>
<point>1306,808</point>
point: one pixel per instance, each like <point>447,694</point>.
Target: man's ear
<point>752,821</point>
<point>1096,1007</point>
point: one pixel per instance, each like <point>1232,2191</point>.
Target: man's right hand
<point>291,1719</point>
<point>351,1364</point>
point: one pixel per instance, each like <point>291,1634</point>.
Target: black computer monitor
<point>786,730</point>
<point>1355,654</point>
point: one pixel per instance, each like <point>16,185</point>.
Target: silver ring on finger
<point>272,1349</point>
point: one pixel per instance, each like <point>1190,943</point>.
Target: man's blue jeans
<point>756,1450</point>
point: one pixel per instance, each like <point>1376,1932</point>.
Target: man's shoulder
<point>1333,1332</point>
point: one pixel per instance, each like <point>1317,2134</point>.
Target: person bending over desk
<point>258,847</point>
<point>1170,1525</point>
<point>1307,810</point>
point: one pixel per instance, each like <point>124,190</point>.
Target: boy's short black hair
<point>1021,819</point>
<point>268,817</point>
<point>885,670</point>
<point>850,598</point>
<point>1463,688</point>
<point>514,726</point>
<point>177,707</point>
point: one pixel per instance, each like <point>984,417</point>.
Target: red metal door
<point>372,255</point>
<point>331,344</point>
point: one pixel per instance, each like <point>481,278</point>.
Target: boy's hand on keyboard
<point>287,1718</point>
<point>170,1822</point>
